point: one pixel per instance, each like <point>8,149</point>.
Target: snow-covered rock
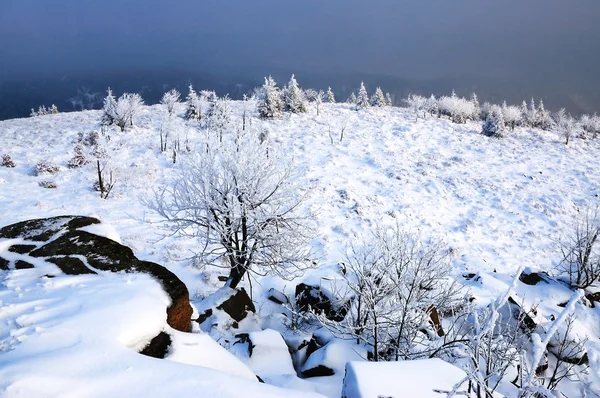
<point>426,378</point>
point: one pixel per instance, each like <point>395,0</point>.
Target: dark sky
<point>541,39</point>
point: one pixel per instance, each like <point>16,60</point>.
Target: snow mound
<point>426,378</point>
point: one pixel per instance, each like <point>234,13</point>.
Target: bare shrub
<point>46,167</point>
<point>580,250</point>
<point>79,159</point>
<point>47,184</point>
<point>7,161</point>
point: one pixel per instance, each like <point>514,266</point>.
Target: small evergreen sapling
<point>362,100</point>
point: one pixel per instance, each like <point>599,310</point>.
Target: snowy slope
<point>500,204</point>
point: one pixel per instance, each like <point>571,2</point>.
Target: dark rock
<point>313,298</point>
<point>21,249</point>
<point>70,265</point>
<point>260,380</point>
<point>237,305</point>
<point>303,351</point>
<point>525,320</point>
<point>101,253</point>
<point>222,278</point>
<point>41,230</point>
<point>434,319</point>
<point>158,347</point>
<point>20,264</point>
<point>593,298</point>
<point>318,371</point>
<point>469,276</point>
<point>4,264</point>
<point>533,278</point>
<point>179,313</point>
<point>276,296</point>
<point>205,315</point>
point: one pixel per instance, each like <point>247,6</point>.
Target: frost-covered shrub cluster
<point>46,167</point>
<point>7,161</point>
<point>121,112</point>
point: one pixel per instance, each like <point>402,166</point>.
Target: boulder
<point>70,265</point>
<point>533,278</point>
<point>4,264</point>
<point>21,249</point>
<point>41,230</point>
<point>237,305</point>
<point>62,240</point>
<point>316,299</point>
<point>158,347</point>
<point>276,296</point>
<point>526,321</point>
<point>265,352</point>
<point>20,264</point>
<point>332,358</point>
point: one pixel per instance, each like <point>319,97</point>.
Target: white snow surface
<point>499,204</point>
<point>423,378</point>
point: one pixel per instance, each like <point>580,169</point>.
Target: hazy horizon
<point>519,49</point>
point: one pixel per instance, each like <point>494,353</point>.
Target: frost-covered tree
<point>388,99</point>
<point>396,283</point>
<point>511,115</point>
<point>458,109</point>
<point>580,250</point>
<point>352,99</point>
<point>54,109</point>
<point>591,125</point>
<point>269,104</point>
<point>316,97</point>
<point>431,105</point>
<point>294,99</point>
<point>524,114</point>
<point>170,100</point>
<point>193,109</point>
<point>238,200</point>
<point>109,109</point>
<point>417,104</point>
<point>218,119</point>
<point>378,99</point>
<point>494,125</point>
<point>127,108</point>
<point>544,117</point>
<point>362,100</point>
<point>476,106</point>
<point>330,96</point>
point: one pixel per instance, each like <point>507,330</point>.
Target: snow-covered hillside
<point>498,204</point>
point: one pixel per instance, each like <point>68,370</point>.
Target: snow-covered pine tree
<point>378,99</point>
<point>293,97</point>
<point>388,99</point>
<point>362,100</point>
<point>109,109</point>
<point>545,121</point>
<point>352,99</point>
<point>269,104</point>
<point>524,114</point>
<point>42,110</point>
<point>476,106</point>
<point>494,125</point>
<point>330,96</point>
<point>53,109</point>
<point>193,110</point>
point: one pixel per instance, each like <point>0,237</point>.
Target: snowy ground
<point>499,204</point>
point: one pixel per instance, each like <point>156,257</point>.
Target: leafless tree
<point>397,283</point>
<point>239,200</point>
<point>580,250</point>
